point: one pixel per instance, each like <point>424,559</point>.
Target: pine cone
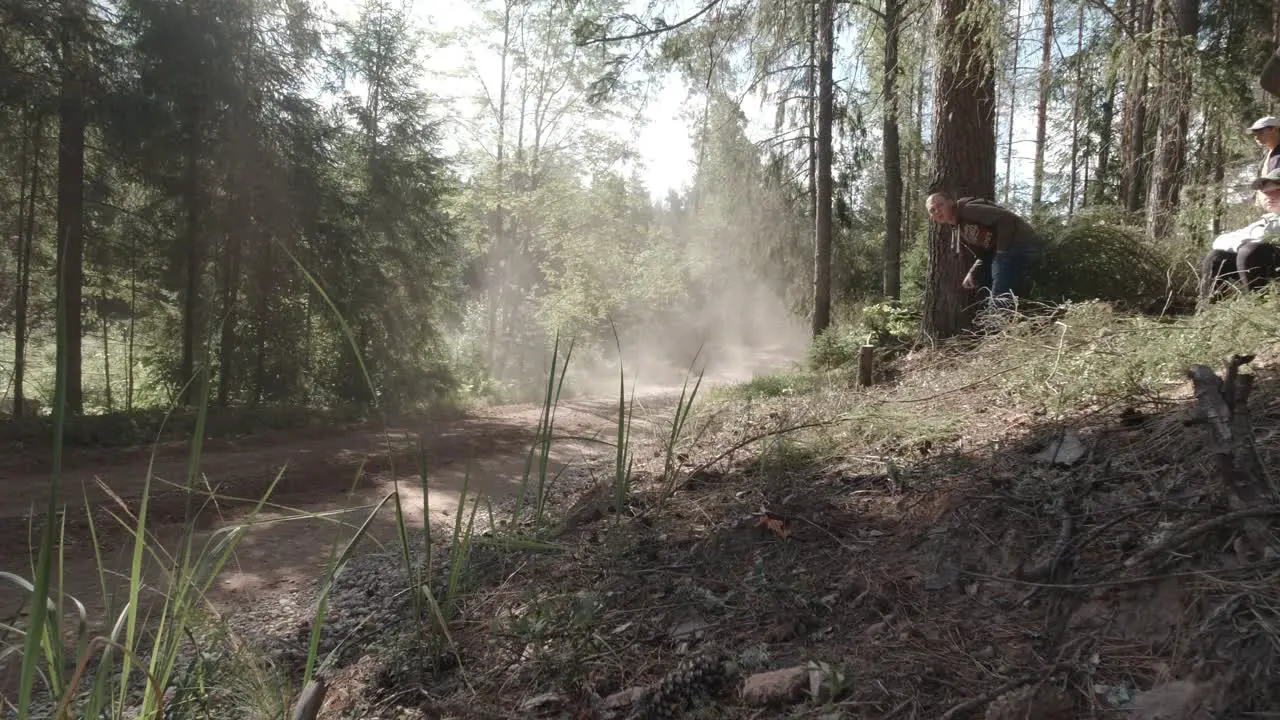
<point>693,682</point>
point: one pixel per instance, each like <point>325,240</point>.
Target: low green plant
<point>622,459</point>
<point>684,406</point>
<point>891,321</point>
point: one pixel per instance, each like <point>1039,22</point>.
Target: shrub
<point>1094,256</point>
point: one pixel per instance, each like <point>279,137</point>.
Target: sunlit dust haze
<point>729,337</point>
<point>649,215</point>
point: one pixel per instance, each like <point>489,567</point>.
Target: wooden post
<point>866,362</point>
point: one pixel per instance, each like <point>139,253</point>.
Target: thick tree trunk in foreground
<point>964,143</point>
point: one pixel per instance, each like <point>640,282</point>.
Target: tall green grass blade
<point>684,406</point>
<point>461,548</point>
<point>417,573</point>
<point>38,616</point>
<point>622,451</point>
<point>541,447</point>
<point>333,566</point>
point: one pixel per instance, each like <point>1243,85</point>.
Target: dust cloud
<point>729,335</point>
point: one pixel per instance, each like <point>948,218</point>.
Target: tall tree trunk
<point>823,230</point>
<point>964,145</point>
<point>194,257</point>
<point>1042,108</point>
<point>70,228</point>
<point>498,245</point>
<point>1076,97</point>
<point>1013,99</point>
<point>812,134</point>
<point>26,243</point>
<point>892,155</point>
<point>264,283</point>
<point>106,354</point>
<point>915,158</point>
<point>1181,25</point>
<point>1219,174</point>
<point>133,315</point>
<point>229,333</point>
<point>1103,174</point>
<point>1137,160</point>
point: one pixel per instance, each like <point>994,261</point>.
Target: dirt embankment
<point>976,574</point>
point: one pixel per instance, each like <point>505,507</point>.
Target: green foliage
<point>208,153</point>
<point>836,347</point>
<point>880,324</point>
<point>796,382</point>
<point>1093,256</point>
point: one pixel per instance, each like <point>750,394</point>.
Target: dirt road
<point>328,484</point>
<point>338,472</point>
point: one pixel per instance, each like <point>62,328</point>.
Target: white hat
<point>1269,121</point>
<point>1271,178</point>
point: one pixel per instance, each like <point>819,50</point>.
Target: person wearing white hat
<point>1266,132</point>
<point>1245,254</point>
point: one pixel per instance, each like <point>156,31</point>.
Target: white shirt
<point>1251,233</point>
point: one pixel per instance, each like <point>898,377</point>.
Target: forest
<point>270,188</point>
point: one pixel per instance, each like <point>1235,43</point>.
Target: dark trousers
<point>1254,265</point>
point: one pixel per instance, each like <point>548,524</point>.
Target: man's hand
<point>969,282</point>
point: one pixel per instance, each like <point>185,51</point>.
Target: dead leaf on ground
<point>779,526</point>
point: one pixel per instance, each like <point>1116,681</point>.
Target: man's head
<point>1269,185</point>
<point>1266,132</point>
<point>942,208</point>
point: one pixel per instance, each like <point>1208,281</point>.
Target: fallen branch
<point>1246,449</point>
<point>1178,539</point>
<point>976,702</point>
<point>1039,678</point>
<point>1066,531</point>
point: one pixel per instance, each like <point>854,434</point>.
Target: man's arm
<point>1003,224</point>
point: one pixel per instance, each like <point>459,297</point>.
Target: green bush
<point>836,347</point>
<point>881,323</point>
<point>1094,256</point>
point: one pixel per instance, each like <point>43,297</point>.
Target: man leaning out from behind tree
<point>1004,245</point>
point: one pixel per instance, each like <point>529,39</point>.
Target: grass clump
<point>1091,353</point>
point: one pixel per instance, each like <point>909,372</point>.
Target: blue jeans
<point>1006,273</point>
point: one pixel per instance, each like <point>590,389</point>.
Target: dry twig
<point>1225,404</point>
